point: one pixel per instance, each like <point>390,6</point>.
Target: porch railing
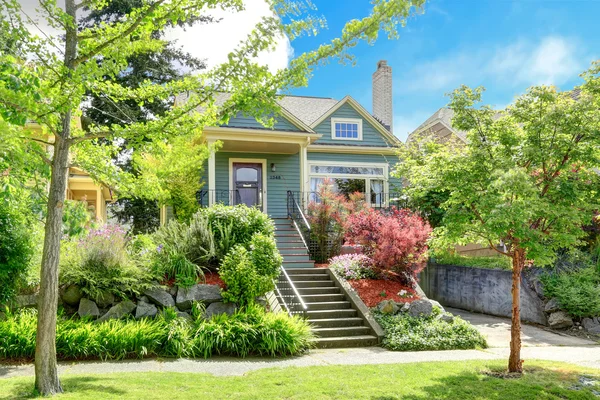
<point>288,295</point>
<point>227,197</point>
<point>296,214</point>
<point>375,200</point>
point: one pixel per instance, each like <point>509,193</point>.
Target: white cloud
<point>214,42</point>
<point>551,60</point>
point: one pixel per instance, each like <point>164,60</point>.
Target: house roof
<point>442,116</point>
<point>307,108</point>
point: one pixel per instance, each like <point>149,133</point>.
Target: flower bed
<point>374,291</point>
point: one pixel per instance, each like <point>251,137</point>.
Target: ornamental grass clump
<point>249,332</point>
<point>99,263</point>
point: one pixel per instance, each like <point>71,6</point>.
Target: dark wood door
<point>247,183</point>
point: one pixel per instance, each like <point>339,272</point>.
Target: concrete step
<point>298,264</point>
<point>296,257</point>
<point>293,250</point>
<point>309,291</point>
<point>310,277</point>
<point>313,284</point>
<point>320,298</point>
<point>286,244</point>
<point>336,322</point>
<point>342,331</point>
<point>329,305</point>
<point>316,271</point>
<point>327,314</point>
<point>289,239</point>
<point>346,341</point>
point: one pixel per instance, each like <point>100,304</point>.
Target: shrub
<point>76,218</point>
<point>16,248</point>
<point>99,263</point>
<point>490,262</point>
<point>249,274</point>
<point>233,225</point>
<point>353,266</point>
<point>250,332</point>
<point>576,285</point>
<point>406,333</point>
<point>395,240</point>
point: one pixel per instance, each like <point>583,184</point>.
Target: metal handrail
<point>289,295</point>
<point>296,214</point>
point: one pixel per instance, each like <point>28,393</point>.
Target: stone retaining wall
<point>480,290</point>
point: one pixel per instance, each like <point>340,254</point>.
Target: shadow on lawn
<point>76,384</point>
<point>536,383</point>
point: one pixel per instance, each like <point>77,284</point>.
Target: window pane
<point>247,175</point>
<point>350,186</point>
<point>332,169</point>
<point>376,192</point>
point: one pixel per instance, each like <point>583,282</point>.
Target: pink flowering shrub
<point>353,266</point>
<point>396,240</point>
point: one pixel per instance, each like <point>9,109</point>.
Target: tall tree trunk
<point>46,371</point>
<point>515,364</point>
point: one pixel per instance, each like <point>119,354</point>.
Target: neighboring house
<point>438,127</point>
<point>314,138</point>
<point>80,185</point>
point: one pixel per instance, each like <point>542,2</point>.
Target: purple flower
<point>159,248</point>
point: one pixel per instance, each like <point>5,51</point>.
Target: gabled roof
<point>364,113</point>
<point>443,116</point>
<point>306,108</point>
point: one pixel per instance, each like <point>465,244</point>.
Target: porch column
<point>99,216</point>
<point>211,173</point>
<point>304,182</point>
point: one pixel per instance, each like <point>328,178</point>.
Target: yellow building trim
<point>258,135</point>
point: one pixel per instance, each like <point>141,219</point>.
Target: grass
<point>417,381</point>
<point>491,262</point>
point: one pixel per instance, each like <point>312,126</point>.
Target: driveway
<point>497,332</point>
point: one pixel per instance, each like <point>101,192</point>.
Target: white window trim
<point>346,121</point>
<point>384,177</point>
<point>262,161</point>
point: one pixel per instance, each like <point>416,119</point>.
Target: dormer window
<point>346,129</point>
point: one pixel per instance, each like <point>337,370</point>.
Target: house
<point>314,138</point>
<point>80,185</point>
<point>438,127</point>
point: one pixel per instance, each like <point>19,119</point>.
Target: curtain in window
<point>376,193</point>
<point>314,186</point>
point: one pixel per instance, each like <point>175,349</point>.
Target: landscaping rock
<point>592,325</point>
<point>144,299</point>
<point>261,301</point>
<point>206,294</point>
<point>560,320</point>
<point>105,300</point>
<point>437,304</point>
<point>420,308</point>
<point>87,308</point>
<point>184,315</point>
<point>26,301</point>
<point>552,305</point>
<point>160,297</point>
<point>446,317</point>
<point>145,310</point>
<point>219,308</point>
<point>388,307</point>
<point>172,291</point>
<point>119,310</point>
<point>405,307</point>
<point>72,295</point>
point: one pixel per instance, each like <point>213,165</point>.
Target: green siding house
<point>314,138</point>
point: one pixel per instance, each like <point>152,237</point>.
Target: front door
<point>247,184</point>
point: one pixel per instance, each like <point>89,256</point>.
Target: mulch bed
<point>374,291</point>
<point>213,278</point>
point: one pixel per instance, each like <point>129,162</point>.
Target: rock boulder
<point>119,310</point>
<point>219,308</point>
<point>206,294</point>
<point>160,297</point>
<point>420,308</point>
<point>87,308</point>
<point>145,310</point>
<point>560,320</point>
<point>72,295</point>
<point>388,307</point>
<point>552,305</point>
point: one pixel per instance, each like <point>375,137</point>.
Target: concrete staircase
<point>291,246</point>
<point>335,321</point>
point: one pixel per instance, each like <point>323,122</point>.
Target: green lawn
<point>419,381</point>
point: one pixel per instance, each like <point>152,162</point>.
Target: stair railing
<point>289,296</point>
<point>298,218</point>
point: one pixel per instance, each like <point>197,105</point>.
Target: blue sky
<point>504,45</point>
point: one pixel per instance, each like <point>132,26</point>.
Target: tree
<point>79,60</point>
<point>163,66</point>
<point>524,178</point>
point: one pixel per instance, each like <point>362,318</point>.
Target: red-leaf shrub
<point>396,240</point>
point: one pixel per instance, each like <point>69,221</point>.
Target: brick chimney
<point>382,94</point>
